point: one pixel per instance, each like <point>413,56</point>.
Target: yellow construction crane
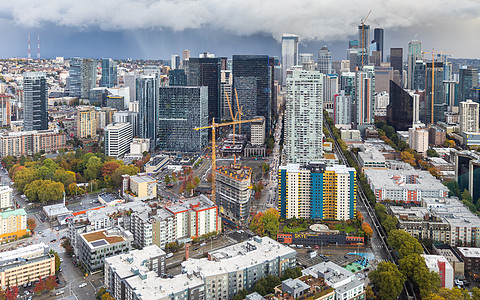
<point>363,36</point>
<point>234,118</point>
<point>214,126</point>
<point>433,52</point>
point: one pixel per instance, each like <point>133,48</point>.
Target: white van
<point>169,255</point>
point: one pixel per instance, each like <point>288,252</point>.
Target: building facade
<point>147,97</point>
<point>87,122</point>
<point>13,224</point>
<point>289,53</point>
<point>109,73</point>
<point>35,95</point>
<point>469,116</point>
<point>117,139</point>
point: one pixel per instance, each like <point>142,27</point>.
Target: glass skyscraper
<point>180,110</point>
<point>177,77</point>
<point>147,97</point>
<point>289,54</point>
<point>414,54</point>
<point>468,78</point>
<point>325,61</point>
<point>109,73</point>
<point>378,38</point>
<point>35,93</point>
<point>75,77</point>
<point>89,77</point>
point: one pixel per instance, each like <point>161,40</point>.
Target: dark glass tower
<point>468,78</point>
<point>378,38</point>
<point>177,77</point>
<point>252,80</point>
<point>109,73</point>
<point>206,72</point>
<point>439,105</point>
<point>75,75</point>
<point>35,92</point>
<point>147,97</point>
<point>396,59</point>
<point>400,108</point>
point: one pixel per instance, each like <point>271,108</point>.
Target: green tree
<point>65,177</point>
<point>57,260</point>
<point>271,223</point>
<point>432,153</point>
<point>123,170</point>
<point>167,179</point>
<point>414,267</point>
<point>465,195</point>
<point>44,191</point>
<point>404,243</point>
<point>387,280</point>
<point>23,177</point>
<point>390,223</point>
<point>94,165</point>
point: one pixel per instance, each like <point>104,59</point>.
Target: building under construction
<point>233,192</point>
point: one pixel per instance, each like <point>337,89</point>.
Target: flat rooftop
<point>469,252</point>
<point>403,179</point>
<point>104,237</point>
<point>237,172</point>
<point>195,203</point>
<point>24,252</point>
<point>142,179</point>
<point>125,264</point>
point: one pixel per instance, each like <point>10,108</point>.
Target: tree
<point>167,179</point>
<point>31,224</point>
<point>74,189</point>
<point>109,167</point>
<point>414,267</point>
<point>390,223</point>
<point>65,177</point>
<point>432,153</point>
<point>271,223</point>
<point>57,260</point>
<point>257,224</point>
<point>50,283</point>
<point>107,296</point>
<point>39,287</point>
<point>408,158</point>
<point>44,191</point>
<point>367,229</point>
<point>369,294</point>
<point>23,177</point>
<point>11,293</point>
<point>359,216</point>
<point>265,167</point>
<point>94,165</point>
<point>449,143</point>
<point>123,170</point>
<point>451,294</point>
<point>67,245</point>
<point>465,195</point>
<point>387,280</point>
<point>196,180</point>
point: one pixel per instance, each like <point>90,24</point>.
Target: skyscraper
<point>147,97</point>
<point>89,77</point>
<point>175,62</point>
<point>226,84</point>
<point>364,39</point>
<point>330,90</point>
<point>419,75</point>
<point>185,54</point>
<point>109,73</point>
<point>75,77</point>
<point>378,38</point>
<point>468,78</point>
<point>364,100</point>
<point>304,116</point>
<point>324,61</point>
<point>439,105</point>
<point>396,59</point>
<point>414,54</point>
<point>130,81</point>
<point>252,79</point>
<point>289,53</point>
<point>469,114</point>
<point>342,108</point>
<point>206,72</point>
<point>400,109</point>
<point>177,77</point>
<point>181,109</point>
<point>35,93</point>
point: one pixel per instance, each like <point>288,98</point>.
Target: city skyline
<point>70,29</point>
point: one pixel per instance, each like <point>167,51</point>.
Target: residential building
<point>371,158</point>
<point>304,116</point>
<point>87,122</point>
<point>6,199</point>
<point>180,110</point>
<point>345,283</point>
<point>164,228</point>
<point>240,266</point>
<point>147,97</point>
<point>175,62</point>
<point>109,73</point>
<point>130,81</point>
<point>30,142</point>
<point>123,266</point>
<point>252,79</point>
<point>342,108</point>
<point>96,246</point>
<point>418,139</point>
<point>317,192</point>
<point>139,146</point>
<point>194,217</point>
<point>382,100</point>
<point>139,187</point>
<point>105,116</point>
<point>438,264</point>
<point>330,91</point>
<point>303,287</point>
<point>436,136</point>
<point>289,53</point>
<point>324,63</point>
<point>88,73</point>
<point>233,193</point>
<point>5,110</point>
<point>404,185</point>
<point>117,139</point>
<point>26,264</point>
<point>364,91</point>
<point>206,72</point>
<point>129,117</point>
<point>414,54</point>
<point>469,116</point>
<point>13,224</point>
<point>35,95</point>
<point>471,259</point>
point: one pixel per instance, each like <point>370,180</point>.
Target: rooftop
<point>403,179</point>
<point>56,210</point>
<point>236,172</point>
<point>106,237</point>
<point>469,252</point>
<point>24,252</point>
<point>142,178</point>
<point>196,203</point>
<point>12,212</point>
<point>131,263</point>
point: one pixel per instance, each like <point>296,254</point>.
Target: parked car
<point>169,255</point>
<point>82,285</point>
<point>59,293</point>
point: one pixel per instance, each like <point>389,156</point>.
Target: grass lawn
<point>293,230</point>
<point>348,228</point>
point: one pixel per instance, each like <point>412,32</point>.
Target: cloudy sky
<point>155,29</point>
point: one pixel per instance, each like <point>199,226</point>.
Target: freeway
<point>379,239</point>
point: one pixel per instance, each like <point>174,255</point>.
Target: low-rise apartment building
<point>13,224</point>
<point>139,187</point>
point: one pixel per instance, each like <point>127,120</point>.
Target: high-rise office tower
<point>324,61</point>
<point>130,81</point>
<point>89,77</point>
<point>75,77</point>
<point>185,54</point>
<point>364,39</point>
<point>353,56</point>
<point>396,59</point>
<point>109,73</point>
<point>364,100</point>
<point>450,92</point>
<point>400,110</point>
<point>181,109</point>
<point>117,139</point>
<point>206,72</point>
<point>226,87</point>
<point>289,54</point>
<point>330,90</point>
<point>439,105</point>
<point>147,97</point>
<point>177,77</point>
<point>378,38</point>
<point>304,116</point>
<point>414,54</point>
<point>175,62</point>
<point>342,108</point>
<point>347,83</point>
<point>305,58</point>
<point>252,79</point>
<point>35,95</point>
<point>469,113</point>
<point>419,75</point>
<point>315,191</point>
<point>468,78</point>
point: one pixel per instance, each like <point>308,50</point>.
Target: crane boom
<point>215,125</point>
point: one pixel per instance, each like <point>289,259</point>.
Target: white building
<point>469,114</point>
<point>346,285</point>
<point>138,146</point>
<point>382,100</point>
<point>257,133</point>
<point>364,90</point>
<point>304,116</point>
<point>289,53</point>
<point>440,265</point>
<point>418,139</point>
<point>117,139</point>
<point>6,199</point>
<point>330,90</point>
<point>342,109</point>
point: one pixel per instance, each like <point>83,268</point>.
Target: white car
<point>59,293</point>
<point>83,285</point>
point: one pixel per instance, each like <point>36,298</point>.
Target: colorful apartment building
<point>13,224</point>
<point>139,187</point>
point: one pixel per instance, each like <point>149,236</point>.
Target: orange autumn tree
<point>367,229</point>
